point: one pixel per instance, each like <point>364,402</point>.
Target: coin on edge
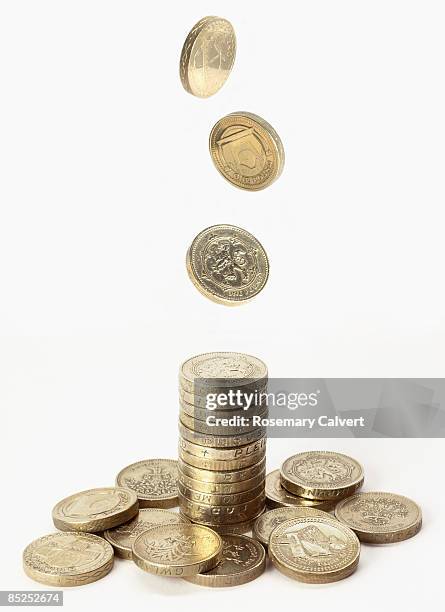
<point>122,537</point>
<point>67,559</point>
<point>267,522</point>
<point>95,509</point>
<point>227,264</point>
<point>380,518</point>
<point>246,150</point>
<point>321,475</point>
<point>315,550</point>
<point>243,560</point>
<point>155,482</point>
<point>207,56</point>
<point>177,550</point>
<point>278,497</point>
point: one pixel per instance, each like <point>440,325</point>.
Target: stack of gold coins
<point>222,442</point>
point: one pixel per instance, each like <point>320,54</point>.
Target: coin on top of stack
<point>221,464</point>
<point>321,475</point>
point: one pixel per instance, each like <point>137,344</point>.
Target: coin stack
<point>222,446</point>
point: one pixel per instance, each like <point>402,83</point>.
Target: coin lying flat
<point>321,475</point>
<point>68,559</point>
<point>224,454</point>
<point>246,150</point>
<point>227,264</point>
<point>122,537</point>
<point>278,497</point>
<point>154,481</point>
<point>380,518</point>
<point>221,465</point>
<point>267,522</point>
<point>222,477</point>
<point>243,560</point>
<point>238,528</point>
<point>316,550</point>
<point>207,514</point>
<point>177,550</point>
<point>207,56</point>
<point>202,412</point>
<point>229,427</point>
<point>231,499</point>
<point>222,488</point>
<point>227,368</point>
<point>216,441</point>
<point>95,509</point>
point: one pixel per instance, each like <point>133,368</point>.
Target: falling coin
<point>155,482</point>
<point>246,150</point>
<point>207,56</point>
<point>177,550</point>
<point>380,518</point>
<point>267,522</point>
<point>68,559</point>
<point>243,560</point>
<point>227,264</point>
<point>316,550</point>
<point>122,537</point>
<point>95,509</point>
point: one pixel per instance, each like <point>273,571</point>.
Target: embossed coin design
<point>267,522</point>
<point>177,550</point>
<point>246,150</point>
<point>95,509</point>
<point>316,550</point>
<point>321,475</point>
<point>207,56</point>
<point>380,518</point>
<point>227,264</point>
<point>155,482</point>
<point>243,560</point>
<point>215,441</point>
<point>68,559</point>
<point>122,537</point>
<point>207,514</point>
<point>278,497</point>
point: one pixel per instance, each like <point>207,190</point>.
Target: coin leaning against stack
<point>221,465</point>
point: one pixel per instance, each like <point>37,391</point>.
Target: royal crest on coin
<point>322,470</point>
<point>156,480</point>
<point>380,510</point>
<point>229,263</point>
<point>171,549</point>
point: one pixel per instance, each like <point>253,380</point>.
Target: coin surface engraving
<point>278,497</point>
<point>155,482</point>
<point>267,522</point>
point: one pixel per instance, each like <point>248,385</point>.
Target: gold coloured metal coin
<point>268,521</point>
<point>202,412</point>
<point>215,441</point>
<point>68,559</point>
<point>220,465</point>
<point>222,477</point>
<point>321,475</point>
<point>234,427</point>
<point>227,264</point>
<point>226,454</point>
<point>316,550</point>
<point>154,481</point>
<point>243,560</point>
<point>246,150</point>
<point>223,369</point>
<point>95,509</point>
<point>122,537</point>
<point>216,488</point>
<point>238,528</point>
<point>177,550</point>
<point>208,514</point>
<point>207,56</point>
<point>231,499</point>
<point>278,497</point>
<point>380,518</point>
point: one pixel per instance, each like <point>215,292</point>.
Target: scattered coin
<point>278,497</point>
<point>67,559</point>
<point>227,264</point>
<point>122,537</point>
<point>155,482</point>
<point>207,56</point>
<point>380,518</point>
<point>321,475</point>
<point>177,550</point>
<point>267,522</point>
<point>316,550</point>
<point>95,509</point>
<point>246,150</point>
<point>243,560</point>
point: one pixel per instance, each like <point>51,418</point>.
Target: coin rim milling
<point>96,524</point>
<point>267,132</point>
<point>263,536</point>
<point>384,536</point>
<point>187,50</point>
<point>302,488</point>
<point>313,577</point>
<point>273,501</point>
<point>210,579</point>
<point>98,570</point>
<point>157,568</point>
<point>211,293</point>
<point>165,501</point>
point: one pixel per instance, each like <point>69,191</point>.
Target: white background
<point>106,179</point>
